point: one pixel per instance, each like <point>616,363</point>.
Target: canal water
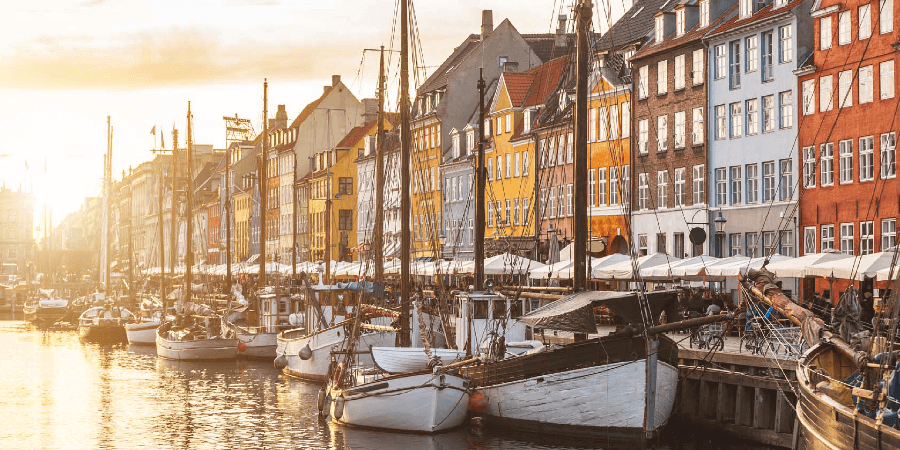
<point>59,393</point>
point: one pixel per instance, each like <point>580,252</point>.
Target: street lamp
<point>719,222</point>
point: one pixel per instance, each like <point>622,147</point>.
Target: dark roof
<point>544,45</point>
<point>694,34</point>
<point>439,77</point>
<point>356,134</point>
<point>763,14</point>
<point>634,26</point>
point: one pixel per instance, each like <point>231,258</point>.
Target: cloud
<point>164,58</point>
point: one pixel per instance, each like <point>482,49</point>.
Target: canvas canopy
<point>796,267</point>
<point>736,268</point>
<point>853,268</point>
<point>575,312</point>
<point>677,270</point>
<point>509,264</point>
<point>624,270</point>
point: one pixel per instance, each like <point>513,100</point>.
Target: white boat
<point>275,313</point>
<point>421,402</point>
<point>104,323</point>
<point>143,332</point>
<point>412,359</point>
<point>308,356</point>
<point>47,309</point>
<point>195,338</point>
<point>256,342</point>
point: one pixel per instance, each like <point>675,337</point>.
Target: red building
<point>848,130</point>
<point>215,255</point>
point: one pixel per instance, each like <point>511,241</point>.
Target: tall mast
<point>377,239</point>
<point>405,250</point>
<point>294,223</point>
<point>189,213</point>
<point>173,227</point>
<point>263,186</point>
<point>583,23</point>
<point>228,222</point>
<point>107,179</point>
<point>162,241</point>
<point>480,186</point>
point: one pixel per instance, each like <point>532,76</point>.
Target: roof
<point>766,12</point>
<point>548,77</point>
<point>694,34</point>
<point>310,108</point>
<point>356,134</point>
<point>438,78</point>
<point>544,45</point>
<point>636,24</point>
<point>517,86</point>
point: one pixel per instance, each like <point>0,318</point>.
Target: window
<point>661,245</point>
<point>660,30</point>
<point>697,126</point>
<point>508,165</point>
<point>809,240</point>
<point>625,172</point>
<point>737,185</point>
<point>809,97</point>
<point>737,120</point>
<point>785,44</point>
<point>845,94</point>
<point>642,244</point>
<point>787,243</point>
<point>592,188</point>
<point>698,182</point>
<point>752,240</point>
<point>679,69</point>
<point>865,21</point>
<point>490,167</point>
<point>601,185</point>
<point>886,75</point>
<point>508,212</point>
<point>345,185</point>
<point>697,66</point>
<point>786,184</point>
<point>525,164</point>
<point>734,73</point>
<point>678,244</point>
<point>614,122</point>
<point>516,165</point>
<point>827,237</point>
<point>552,202</point>
<point>752,171</point>
<point>704,13</point>
<point>843,27</point>
<point>751,61</point>
<point>507,123</point>
<point>662,131</point>
<point>769,243</point>
<point>768,181</point>
<point>721,61</point>
<point>643,82</point>
<point>643,136</point>
<point>768,113</point>
<point>786,105</point>
<point>515,211</point>
<point>752,116</point>
<point>826,154</point>
<point>662,184</point>
<point>526,213</point>
<point>604,127</point>
<point>345,219</point>
<point>746,8</point>
<point>626,119</point>
<point>846,161</point>
<point>809,167</point>
<point>825,33</point>
<point>866,238</point>
<point>721,186</point>
<point>888,156</point>
<point>679,129</point>
<point>643,191</point>
<point>734,244</point>
<point>888,234</point>
<point>570,147</point>
<point>847,238</point>
<point>866,158</point>
<point>569,205</point>
<point>499,128</point>
<point>679,187</point>
<point>662,78</point>
<point>679,21</point>
<point>767,50</point>
<point>886,16</point>
<point>592,125</point>
<point>613,185</point>
<point>499,167</point>
<point>826,94</point>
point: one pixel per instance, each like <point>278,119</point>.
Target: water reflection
<point>56,392</point>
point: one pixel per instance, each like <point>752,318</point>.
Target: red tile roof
<point>356,134</point>
<point>547,77</point>
<point>764,13</point>
<point>517,86</point>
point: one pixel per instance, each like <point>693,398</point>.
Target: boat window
<point>282,306</point>
<point>481,310</point>
<point>499,309</point>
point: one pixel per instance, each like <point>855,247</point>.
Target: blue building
<point>752,132</point>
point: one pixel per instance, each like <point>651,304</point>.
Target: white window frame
<point>825,37</point>
<point>662,186</point>
<point>662,77</point>
<point>643,81</point>
<point>737,184</point>
<point>826,164</point>
<point>736,119</point>
<point>845,88</point>
<point>680,196</point>
<point>844,35</point>
<point>614,185</point>
<point>845,161</point>
<point>809,97</point>
<point>786,107</point>
<point>809,167</point>
<point>680,129</point>
<point>721,122</point>
<point>888,234</point>
<point>864,19</point>
<point>626,120</point>
<point>697,63</point>
<point>866,237</point>
<point>886,79</point>
<point>662,133</point>
<point>751,174</point>
<point>697,132</point>
<point>886,16</point>
<point>786,181</point>
<point>704,13</point>
<point>752,108</point>
<point>826,93</point>
<point>592,188</point>
<point>643,137</point>
<point>698,185</point>
<point>721,57</point>
<point>785,44</point>
<point>721,186</point>
<point>810,240</point>
<point>888,150</point>
<point>847,232</point>
<point>866,158</point>
<point>604,124</point>
<point>751,59</point>
<point>643,191</point>
<point>679,71</point>
<point>601,186</point>
<point>768,113</point>
<point>769,190</point>
<point>827,237</point>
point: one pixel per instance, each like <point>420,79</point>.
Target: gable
<point>502,99</point>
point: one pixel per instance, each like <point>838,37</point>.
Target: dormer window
<point>470,141</point>
<point>704,13</point>
<point>526,121</point>
<point>679,21</point>
<point>746,8</point>
<point>660,28</point>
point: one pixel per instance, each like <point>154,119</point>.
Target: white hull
<point>200,349</point>
<point>259,345</point>
<point>607,399</point>
<point>322,343</point>
<point>411,359</point>
<point>142,333</point>
<point>424,403</point>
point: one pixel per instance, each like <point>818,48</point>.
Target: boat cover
<point>576,312</point>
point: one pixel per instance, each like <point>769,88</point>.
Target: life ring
<point>338,374</point>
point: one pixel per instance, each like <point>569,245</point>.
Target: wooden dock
<point>746,396</point>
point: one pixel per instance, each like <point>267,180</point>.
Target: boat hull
<point>43,316</point>
<point>143,333</point>
<point>196,350</point>
<point>102,333</point>
<point>422,403</point>
<point>258,345</point>
<point>321,344</point>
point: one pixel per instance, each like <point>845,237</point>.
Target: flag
<point>153,130</point>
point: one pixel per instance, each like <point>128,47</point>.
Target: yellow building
<point>334,180</point>
<point>426,206</point>
<point>609,169</point>
<point>241,226</point>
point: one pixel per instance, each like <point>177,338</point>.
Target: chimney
<point>370,109</point>
<point>511,66</point>
<point>335,80</point>
<point>281,116</point>
<point>561,31</point>
<point>487,22</point>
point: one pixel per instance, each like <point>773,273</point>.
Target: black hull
<point>45,317</point>
<point>101,334</point>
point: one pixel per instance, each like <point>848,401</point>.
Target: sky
<point>65,65</point>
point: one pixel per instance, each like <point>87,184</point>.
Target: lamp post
<point>719,222</point>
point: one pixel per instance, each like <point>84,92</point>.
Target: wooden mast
<point>107,181</point>
<point>583,24</point>
<point>228,222</point>
<point>162,242</point>
<point>189,213</point>
<point>378,230</point>
<point>405,213</point>
<point>480,187</point>
<point>263,187</point>
<point>173,227</point>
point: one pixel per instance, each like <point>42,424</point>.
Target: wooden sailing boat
<point>195,333</point>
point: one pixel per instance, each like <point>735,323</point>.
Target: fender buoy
<point>280,362</point>
<point>305,353</point>
<point>326,405</point>
<point>338,408</point>
<point>477,401</point>
<point>320,399</point>
<point>242,347</point>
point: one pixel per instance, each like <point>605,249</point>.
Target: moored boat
<point>104,323</point>
<point>46,309</point>
<point>143,331</point>
<point>195,338</point>
<point>308,356</point>
<point>413,359</point>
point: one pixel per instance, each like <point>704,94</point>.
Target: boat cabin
<point>485,314</point>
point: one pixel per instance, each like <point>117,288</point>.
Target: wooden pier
<point>745,396</point>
